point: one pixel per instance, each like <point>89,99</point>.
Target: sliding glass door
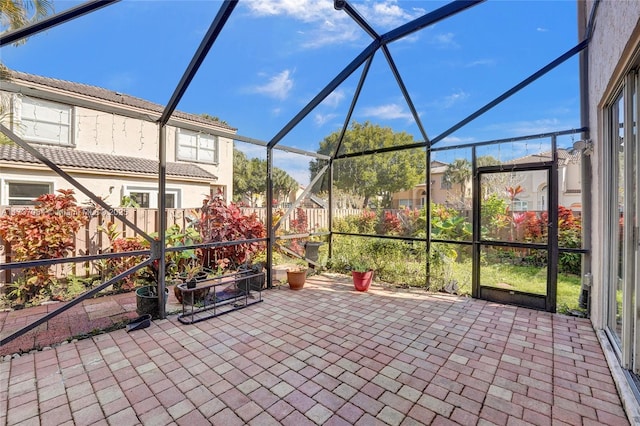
<point>622,319</point>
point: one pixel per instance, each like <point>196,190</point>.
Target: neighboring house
<point>533,197</point>
<point>109,142</point>
<point>442,191</point>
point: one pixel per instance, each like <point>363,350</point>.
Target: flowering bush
<point>45,232</point>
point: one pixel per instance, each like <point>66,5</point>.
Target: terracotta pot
<point>362,280</point>
<point>296,279</point>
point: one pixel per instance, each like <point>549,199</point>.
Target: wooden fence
<point>92,240</point>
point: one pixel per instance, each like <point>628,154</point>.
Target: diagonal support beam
<point>306,191</point>
<point>57,19</point>
<point>353,13</point>
<point>352,107</point>
<point>329,88</point>
<point>74,302</point>
<point>208,40</point>
<point>404,91</point>
<point>524,83</point>
<point>31,150</point>
<point>431,18</point>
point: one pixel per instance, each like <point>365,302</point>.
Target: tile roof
<point>111,96</point>
<point>94,161</point>
<point>564,157</point>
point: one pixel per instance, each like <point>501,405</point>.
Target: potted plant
<point>190,276</point>
<point>362,274</point>
<point>147,300</point>
<point>297,275</point>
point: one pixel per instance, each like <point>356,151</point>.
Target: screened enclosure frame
<point>364,59</point>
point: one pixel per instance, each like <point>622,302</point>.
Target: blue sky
<point>273,57</point>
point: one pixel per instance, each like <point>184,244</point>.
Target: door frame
<point>545,302</point>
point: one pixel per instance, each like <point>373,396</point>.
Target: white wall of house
<point>615,311</point>
<point>187,194</point>
<point>88,128</point>
<point>615,37</point>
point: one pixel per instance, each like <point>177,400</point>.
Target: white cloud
<point>388,14</point>
<point>454,98</point>
<point>277,87</point>
<point>303,10</point>
<point>531,127</point>
<point>542,30</point>
<point>459,140</point>
<point>480,62</point>
<point>388,112</point>
<point>337,33</point>
<point>328,26</point>
<point>334,99</point>
<point>322,119</point>
<point>445,41</point>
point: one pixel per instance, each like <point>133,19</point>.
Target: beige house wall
<point>615,38</point>
<point>119,134</point>
<point>105,186</point>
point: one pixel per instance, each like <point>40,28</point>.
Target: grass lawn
<point>529,279</point>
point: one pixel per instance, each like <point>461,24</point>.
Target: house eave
<point>20,166</point>
<point>37,90</point>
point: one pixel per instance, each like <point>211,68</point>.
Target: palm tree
<point>18,13</point>
<point>459,172</point>
<point>15,14</point>
<point>283,184</point>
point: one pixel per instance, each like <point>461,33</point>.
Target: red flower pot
<point>362,280</point>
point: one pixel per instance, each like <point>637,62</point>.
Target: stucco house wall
<point>112,124</point>
<point>615,37</point>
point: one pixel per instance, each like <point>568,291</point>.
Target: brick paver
<point>324,355</point>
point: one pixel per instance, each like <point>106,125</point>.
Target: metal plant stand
<point>216,296</point>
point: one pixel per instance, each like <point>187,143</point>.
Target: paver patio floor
<point>325,355</point>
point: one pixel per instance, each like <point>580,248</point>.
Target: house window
<point>445,182</point>
<point>194,146</point>
<point>520,206</point>
<point>25,193</point>
<point>405,203</point>
<point>43,121</point>
<point>141,198</point>
<point>148,197</point>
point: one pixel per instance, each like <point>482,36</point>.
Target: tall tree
<point>459,172</point>
<point>283,184</point>
<point>250,179</point>
<point>369,176</point>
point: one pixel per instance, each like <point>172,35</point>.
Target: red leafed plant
<point>391,225</point>
<point>220,222</point>
<point>45,232</point>
<point>111,267</point>
<point>299,225</point>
